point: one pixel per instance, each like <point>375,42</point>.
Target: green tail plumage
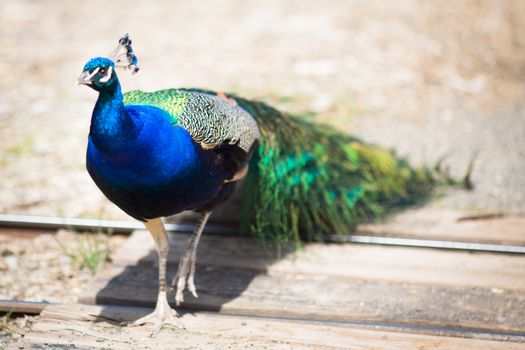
<point>308,180</point>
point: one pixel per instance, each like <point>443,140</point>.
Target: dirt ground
<point>424,79</point>
<point>53,268</point>
<point>416,76</point>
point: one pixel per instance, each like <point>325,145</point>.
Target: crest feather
<point>123,55</point>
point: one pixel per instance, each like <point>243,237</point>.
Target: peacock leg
<point>163,315</point>
<point>186,270</point>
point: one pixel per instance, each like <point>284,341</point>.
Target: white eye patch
<point>95,71</point>
<point>106,78</point>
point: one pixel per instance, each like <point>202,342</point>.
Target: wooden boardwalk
<point>324,296</point>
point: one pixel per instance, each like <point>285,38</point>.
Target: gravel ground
<point>411,75</point>
<point>47,268</point>
<point>424,79</point>
<point>29,262</point>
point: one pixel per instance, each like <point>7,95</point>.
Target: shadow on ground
<point>225,269</point>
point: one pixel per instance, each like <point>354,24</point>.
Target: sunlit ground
<point>424,79</point>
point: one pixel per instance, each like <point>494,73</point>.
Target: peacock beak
<point>86,78</point>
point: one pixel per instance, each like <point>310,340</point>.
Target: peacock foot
<point>185,274</point>
<point>162,316</point>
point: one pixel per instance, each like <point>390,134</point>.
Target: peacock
<point>155,154</point>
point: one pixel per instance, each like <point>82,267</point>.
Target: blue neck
<point>111,126</point>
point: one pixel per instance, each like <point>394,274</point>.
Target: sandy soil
<point>50,268</point>
<point>29,262</point>
<point>416,76</point>
<point>411,75</point>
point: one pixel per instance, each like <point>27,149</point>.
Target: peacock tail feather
<point>308,180</point>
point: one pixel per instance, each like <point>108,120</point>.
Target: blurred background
<point>425,79</point>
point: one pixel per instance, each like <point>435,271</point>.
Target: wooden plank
<point>87,327</point>
<point>330,282</point>
<point>442,224</point>
<point>319,297</point>
<point>22,307</point>
<point>392,264</point>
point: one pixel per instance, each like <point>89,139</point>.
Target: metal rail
<point>82,224</point>
<point>429,243</point>
<point>126,227</point>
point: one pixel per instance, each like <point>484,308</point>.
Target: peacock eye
<point>103,70</point>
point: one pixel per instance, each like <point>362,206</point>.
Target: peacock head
<point>99,74</point>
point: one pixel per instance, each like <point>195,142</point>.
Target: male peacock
<point>159,153</point>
